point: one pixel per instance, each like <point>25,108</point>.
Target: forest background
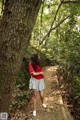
<point>56,37</point>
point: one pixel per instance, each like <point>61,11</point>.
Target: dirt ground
<point>56,109</point>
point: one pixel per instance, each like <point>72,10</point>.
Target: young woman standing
<point>36,81</point>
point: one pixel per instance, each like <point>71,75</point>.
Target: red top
<point>39,69</point>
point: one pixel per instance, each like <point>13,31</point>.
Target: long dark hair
<point>35,61</point>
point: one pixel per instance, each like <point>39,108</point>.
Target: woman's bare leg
<point>34,100</point>
<point>41,96</point>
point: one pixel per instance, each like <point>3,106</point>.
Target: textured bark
<point>15,31</point>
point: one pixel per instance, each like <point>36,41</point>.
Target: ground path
<point>56,110</point>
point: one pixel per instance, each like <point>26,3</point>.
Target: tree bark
<point>17,23</point>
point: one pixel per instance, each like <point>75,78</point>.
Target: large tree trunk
<point>16,26</point>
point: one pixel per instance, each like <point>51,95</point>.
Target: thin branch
<point>60,23</point>
<point>41,13</point>
<point>52,22</point>
<point>56,26</point>
<point>41,16</point>
<point>68,2</point>
<point>56,15</point>
<point>52,28</point>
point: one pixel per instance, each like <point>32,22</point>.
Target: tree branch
<point>41,19</point>
<point>60,23</point>
<point>48,34</point>
<point>68,2</point>
<point>55,27</point>
<point>55,15</point>
<point>52,28</point>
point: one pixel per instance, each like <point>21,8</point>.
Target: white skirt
<point>36,85</point>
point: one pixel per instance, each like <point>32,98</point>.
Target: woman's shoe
<point>34,113</point>
<point>44,105</point>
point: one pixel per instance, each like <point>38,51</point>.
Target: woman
<point>37,80</point>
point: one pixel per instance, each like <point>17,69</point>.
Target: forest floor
<point>56,108</point>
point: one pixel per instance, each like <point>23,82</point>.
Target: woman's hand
<point>42,73</point>
<point>37,73</point>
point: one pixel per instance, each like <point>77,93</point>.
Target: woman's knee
<point>34,95</point>
<point>41,94</point>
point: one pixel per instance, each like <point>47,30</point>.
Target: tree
<point>17,23</point>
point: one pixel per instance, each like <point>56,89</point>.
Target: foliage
<point>24,76</point>
<point>63,44</point>
<point>21,98</point>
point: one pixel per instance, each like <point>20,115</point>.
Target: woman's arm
<point>31,70</point>
<point>37,73</point>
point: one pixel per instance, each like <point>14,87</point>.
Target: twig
<point>52,22</point>
<point>57,26</point>
<point>68,2</point>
